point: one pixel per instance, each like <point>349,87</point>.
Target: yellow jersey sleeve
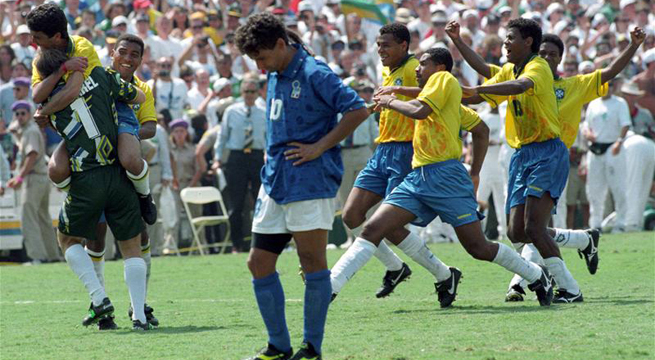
<point>146,111</point>
<point>394,126</point>
<point>436,138</point>
<point>470,118</point>
<point>572,94</point>
<point>498,75</point>
<point>77,47</point>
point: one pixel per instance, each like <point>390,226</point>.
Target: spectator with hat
<point>120,24</point>
<point>233,17</point>
<point>23,49</point>
<point>214,105</point>
<point>421,24</point>
<point>20,90</point>
<point>646,80</point>
<point>642,119</point>
<point>110,43</point>
<point>32,180</point>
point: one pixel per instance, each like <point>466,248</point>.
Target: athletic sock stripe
<point>136,178</point>
<point>146,250</point>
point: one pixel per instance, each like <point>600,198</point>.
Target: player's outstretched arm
<point>409,91</point>
<point>302,153</point>
<point>414,109</point>
<point>512,87</point>
<point>637,37</point>
<point>65,97</point>
<point>470,56</point>
<point>42,89</point>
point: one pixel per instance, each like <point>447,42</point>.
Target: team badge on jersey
<point>398,82</point>
<point>295,93</point>
<point>559,94</point>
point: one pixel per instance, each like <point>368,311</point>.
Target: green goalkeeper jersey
<point>89,125</point>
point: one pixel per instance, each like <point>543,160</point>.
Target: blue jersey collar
<point>296,62</point>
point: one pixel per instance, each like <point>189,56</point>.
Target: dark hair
<point>47,61</point>
<point>399,31</point>
<point>131,39</point>
<point>441,56</point>
<point>49,19</point>
<point>262,31</point>
<point>89,12</point>
<point>554,39</point>
<point>11,52</point>
<point>528,28</point>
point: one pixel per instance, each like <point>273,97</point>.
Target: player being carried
<point>439,185</point>
<point>572,94</point>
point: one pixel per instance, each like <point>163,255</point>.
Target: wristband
<point>63,68</point>
<point>389,102</point>
<point>19,179</point>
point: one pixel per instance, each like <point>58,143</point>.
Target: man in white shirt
<point>214,105</point>
<point>607,123</point>
<point>163,45</point>
<point>170,93</point>
<point>23,50</point>
<point>200,91</point>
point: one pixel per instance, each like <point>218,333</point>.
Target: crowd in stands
<point>211,100</point>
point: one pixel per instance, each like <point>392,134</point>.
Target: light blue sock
<point>318,291</point>
<point>270,298</point>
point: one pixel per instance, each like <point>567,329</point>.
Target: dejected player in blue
<point>300,178</point>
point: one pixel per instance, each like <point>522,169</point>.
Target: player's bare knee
<point>352,218</point>
<point>58,171</point>
<point>516,235</point>
<point>534,232</point>
<point>131,162</point>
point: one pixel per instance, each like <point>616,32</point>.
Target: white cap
<point>485,4</point>
<point>469,13</point>
<point>118,20</point>
<point>560,26</point>
<point>598,19</point>
<point>437,7</point>
<point>586,65</point>
<point>305,6</point>
<point>625,3</point>
<point>631,88</point>
<point>220,84</point>
<point>22,29</point>
<point>648,57</point>
<point>504,9</point>
<point>552,8</point>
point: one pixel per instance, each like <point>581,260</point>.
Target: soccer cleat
<point>150,317</point>
<point>392,279</point>
<point>334,296</point>
<point>543,287</point>
<point>565,297</point>
<point>515,294</point>
<point>139,326</point>
<point>96,312</point>
<point>447,289</point>
<point>590,253</point>
<point>306,352</point>
<point>148,209</point>
<point>107,323</point>
<point>272,353</point>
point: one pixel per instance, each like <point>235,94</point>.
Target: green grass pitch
<point>207,310</point>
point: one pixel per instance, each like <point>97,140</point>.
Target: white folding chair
<point>200,196</point>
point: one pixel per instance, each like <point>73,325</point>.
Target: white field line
<point>41,302</point>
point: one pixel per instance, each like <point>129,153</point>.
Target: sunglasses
<point>197,27</point>
<point>166,66</point>
<point>250,91</point>
<point>20,113</point>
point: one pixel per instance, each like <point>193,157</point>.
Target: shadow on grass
<point>619,300</point>
<point>171,330</point>
<point>482,309</point>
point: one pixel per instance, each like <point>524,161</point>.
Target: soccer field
<point>207,310</point>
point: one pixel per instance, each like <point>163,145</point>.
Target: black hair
<point>49,19</point>
<point>47,61</point>
<point>131,39</point>
<point>441,56</point>
<point>528,29</point>
<point>554,39</point>
<point>262,31</point>
<point>399,32</point>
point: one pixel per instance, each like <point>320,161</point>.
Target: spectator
<point>170,93</point>
<point>214,105</point>
<point>23,48</point>
<point>7,57</point>
<point>32,180</point>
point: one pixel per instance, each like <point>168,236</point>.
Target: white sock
<point>529,253</point>
<point>518,246</point>
<point>65,185</point>
<point>80,262</point>
<point>141,181</point>
<point>562,275</point>
<point>577,239</point>
<point>513,262</point>
<point>390,260</point>
<point>147,257</point>
<point>135,278</point>
<point>98,259</point>
<point>357,255</point>
<point>416,249</point>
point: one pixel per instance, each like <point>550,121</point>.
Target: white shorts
<point>273,218</point>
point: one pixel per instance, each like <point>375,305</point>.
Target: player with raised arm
<point>300,178</point>
<point>572,93</point>
<point>439,185</point>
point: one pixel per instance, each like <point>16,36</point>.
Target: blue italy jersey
<point>302,105</point>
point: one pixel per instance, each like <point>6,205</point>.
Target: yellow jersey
<point>437,137</point>
<point>146,111</point>
<point>395,126</point>
<point>77,47</point>
<point>572,94</point>
<point>533,115</point>
<point>470,118</point>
